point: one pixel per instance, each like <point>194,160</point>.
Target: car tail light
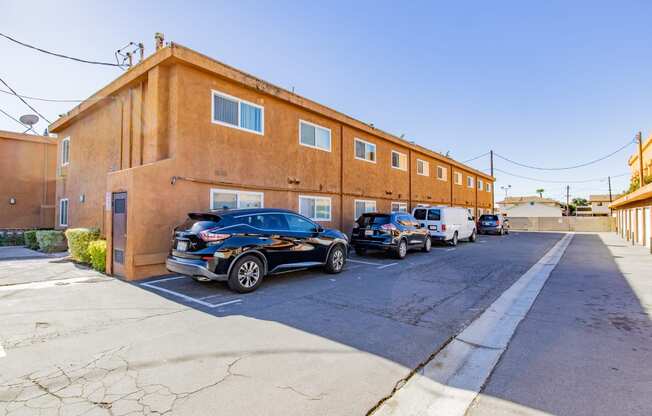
<point>388,227</point>
<point>210,236</point>
<point>443,227</point>
<point>356,225</point>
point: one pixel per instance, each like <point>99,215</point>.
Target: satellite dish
<point>29,119</point>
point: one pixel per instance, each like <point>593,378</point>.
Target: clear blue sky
<point>551,83</point>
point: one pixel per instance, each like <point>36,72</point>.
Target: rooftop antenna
<point>159,38</point>
<point>29,120</point>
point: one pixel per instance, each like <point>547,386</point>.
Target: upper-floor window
<point>233,112</point>
<point>365,151</point>
<point>487,187</point>
<point>65,151</point>
<point>458,178</point>
<point>230,199</point>
<point>423,167</point>
<point>312,135</point>
<point>480,185</point>
<point>469,181</point>
<point>317,208</point>
<point>399,160</point>
<point>63,212</point>
<point>442,173</point>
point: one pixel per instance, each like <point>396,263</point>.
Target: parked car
<point>448,224</point>
<point>493,224</point>
<point>396,232</point>
<point>241,246</point>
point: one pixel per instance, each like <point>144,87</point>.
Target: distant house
<point>598,206</point>
<point>529,206</point>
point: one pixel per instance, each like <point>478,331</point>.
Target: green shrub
<point>97,254</point>
<point>30,239</point>
<point>19,239</point>
<point>78,240</point>
<point>50,241</point>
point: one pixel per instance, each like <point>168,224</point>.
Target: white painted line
<point>47,283</point>
<point>186,297</point>
<point>387,265</point>
<point>167,279</point>
<point>449,383</point>
<point>450,249</point>
<point>2,352</point>
<point>363,262</point>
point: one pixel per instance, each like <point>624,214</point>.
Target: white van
<point>448,224</point>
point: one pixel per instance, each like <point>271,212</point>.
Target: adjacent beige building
<point>529,206</point>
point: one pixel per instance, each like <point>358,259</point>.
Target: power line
<point>25,102</point>
<point>567,167</point>
<point>59,54</point>
<point>50,100</point>
<point>17,121</point>
<point>474,158</point>
<point>562,182</point>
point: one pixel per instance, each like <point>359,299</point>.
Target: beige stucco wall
<point>586,224</point>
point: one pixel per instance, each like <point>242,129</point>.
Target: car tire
<point>453,241</point>
<point>401,250</point>
<point>336,260</point>
<point>427,245</point>
<point>246,274</point>
<point>360,251</point>
<point>473,237</point>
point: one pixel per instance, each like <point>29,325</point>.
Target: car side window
<point>405,220</point>
<point>434,215</point>
<point>273,222</point>
<point>299,224</point>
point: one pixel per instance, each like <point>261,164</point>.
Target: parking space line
<point>185,297</point>
<point>387,265</point>
<point>364,262</point>
<point>167,279</point>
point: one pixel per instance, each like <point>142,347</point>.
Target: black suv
<point>396,232</point>
<point>240,246</point>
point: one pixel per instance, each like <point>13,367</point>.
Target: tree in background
<point>580,202</point>
<point>540,191</point>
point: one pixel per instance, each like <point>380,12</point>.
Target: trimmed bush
<point>97,254</point>
<point>78,240</point>
<point>50,241</point>
<point>30,239</point>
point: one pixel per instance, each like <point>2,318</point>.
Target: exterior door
<point>119,233</point>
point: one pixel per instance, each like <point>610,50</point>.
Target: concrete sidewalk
<point>585,348</point>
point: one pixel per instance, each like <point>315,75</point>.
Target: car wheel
<point>360,251</point>
<point>246,274</point>
<point>427,245</point>
<point>401,250</point>
<point>336,260</point>
<point>472,238</point>
<point>453,241</point>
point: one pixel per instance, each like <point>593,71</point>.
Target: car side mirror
<point>319,229</point>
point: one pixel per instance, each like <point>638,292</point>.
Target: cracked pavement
<point>305,343</point>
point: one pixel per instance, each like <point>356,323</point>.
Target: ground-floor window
<point>230,199</point>
<point>399,207</point>
<point>363,206</point>
<point>63,212</point>
<point>317,208</point>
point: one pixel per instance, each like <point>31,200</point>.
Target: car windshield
<point>375,219</point>
<point>489,218</point>
<point>420,214</point>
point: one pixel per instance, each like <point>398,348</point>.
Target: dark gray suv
<point>493,224</point>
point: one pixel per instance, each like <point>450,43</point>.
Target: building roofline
<point>10,135</point>
<point>638,195</point>
<point>195,59</point>
<point>633,158</point>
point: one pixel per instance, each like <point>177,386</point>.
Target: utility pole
<point>610,196</point>
<point>641,177</point>
<point>567,200</point>
<point>493,200</point>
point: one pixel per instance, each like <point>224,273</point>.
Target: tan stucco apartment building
<point>27,181</point>
<point>181,132</point>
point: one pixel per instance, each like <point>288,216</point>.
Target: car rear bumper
<point>378,245</point>
<point>190,267</point>
<point>489,229</point>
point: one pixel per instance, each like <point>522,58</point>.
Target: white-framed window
<point>442,173</point>
<point>231,111</point>
<point>315,136</point>
<point>469,181</point>
<point>423,168</point>
<point>363,206</point>
<point>317,208</point>
<point>63,212</point>
<point>364,150</point>
<point>231,199</point>
<point>458,178</point>
<point>399,207</point>
<point>487,187</point>
<point>399,160</point>
<point>480,185</point>
<point>65,151</point>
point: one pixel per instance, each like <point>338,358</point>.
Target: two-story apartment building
<point>181,132</point>
<point>27,184</point>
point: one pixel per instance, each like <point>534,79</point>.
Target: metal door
<point>119,233</point>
